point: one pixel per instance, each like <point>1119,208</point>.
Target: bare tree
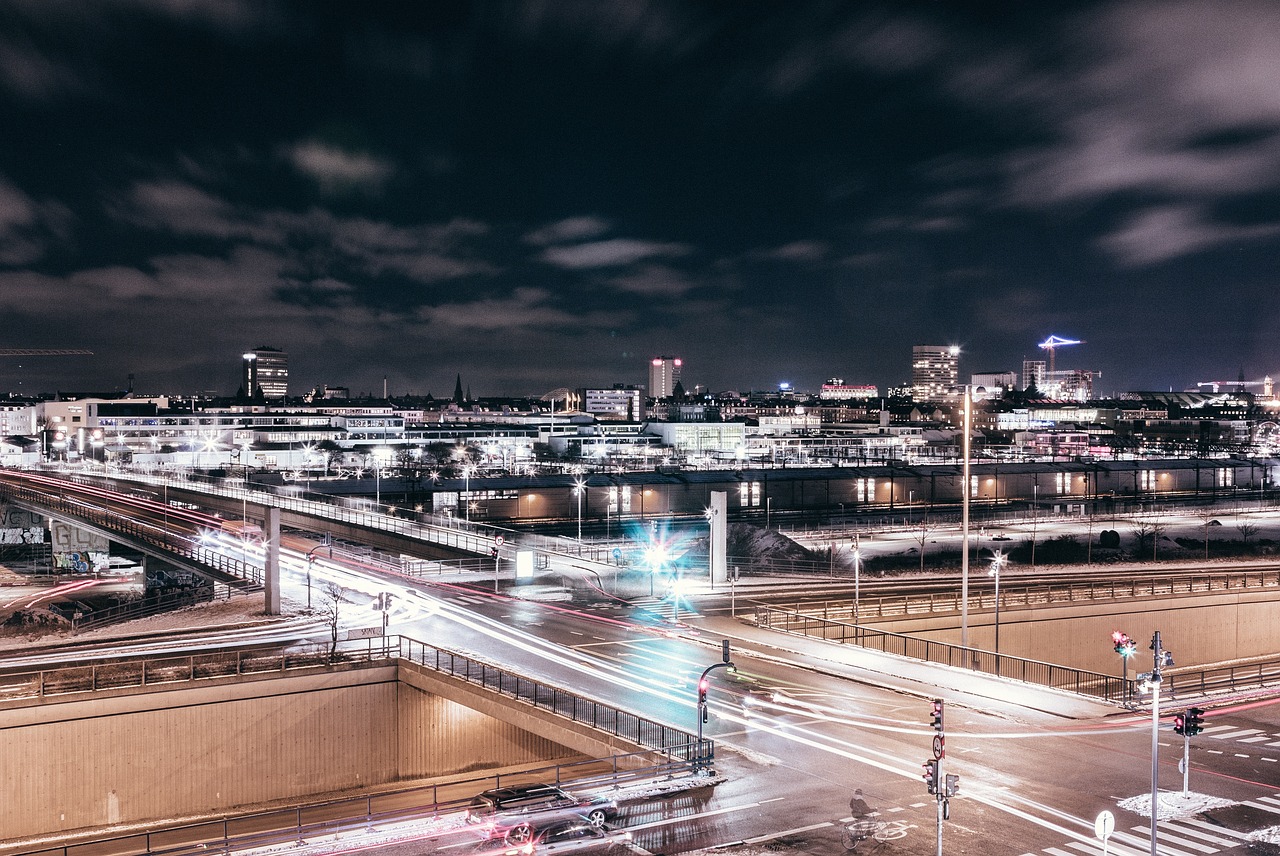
<point>1246,528</point>
<point>1143,534</point>
<point>332,596</point>
<point>1205,516</point>
<point>921,537</point>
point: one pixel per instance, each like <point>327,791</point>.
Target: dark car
<point>574,837</point>
<point>511,813</point>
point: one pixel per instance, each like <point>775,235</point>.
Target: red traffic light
<point>931,775</point>
<point>1179,724</point>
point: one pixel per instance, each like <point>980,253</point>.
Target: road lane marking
<point>799,829</point>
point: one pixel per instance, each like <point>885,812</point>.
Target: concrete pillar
<point>719,537</point>
<point>271,572</point>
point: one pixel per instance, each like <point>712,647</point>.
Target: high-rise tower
<point>935,371</point>
<point>663,374</point>
<point>265,369</point>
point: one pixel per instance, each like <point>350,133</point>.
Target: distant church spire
<point>457,392</point>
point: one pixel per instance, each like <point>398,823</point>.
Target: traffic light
<point>937,715</point>
<point>1123,644</point>
<point>1195,721</point>
<point>493,551</point>
<point>703,685</point>
<point>952,785</point>
<point>931,775</point>
<point>1179,724</point>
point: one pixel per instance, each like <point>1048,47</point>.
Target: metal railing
<point>677,744</point>
<point>1013,596</point>
<point>1109,688</point>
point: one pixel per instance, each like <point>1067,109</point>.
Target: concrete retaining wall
<point>1199,629</point>
<point>141,754</point>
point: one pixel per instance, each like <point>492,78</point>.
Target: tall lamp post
<point>857,567</point>
<point>997,562</point>
<point>1035,519</point>
<point>579,488</point>
<point>466,503</point>
<point>1151,681</point>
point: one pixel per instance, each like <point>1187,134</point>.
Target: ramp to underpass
<point>126,744</point>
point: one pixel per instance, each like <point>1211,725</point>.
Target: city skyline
<point>545,195</point>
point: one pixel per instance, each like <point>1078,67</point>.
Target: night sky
<point>546,194</point>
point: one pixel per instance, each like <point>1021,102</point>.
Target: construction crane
<point>44,352</point>
<point>1052,344</point>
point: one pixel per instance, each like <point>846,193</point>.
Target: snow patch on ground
<point>541,593</point>
<point>757,757</point>
<point>1171,806</point>
<point>1270,835</point>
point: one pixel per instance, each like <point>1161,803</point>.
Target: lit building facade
<point>835,389</point>
<point>266,369</point>
<point>935,372</point>
<point>663,374</point>
<point>1033,372</point>
<point>617,404</point>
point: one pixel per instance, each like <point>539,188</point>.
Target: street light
<point>579,488</point>
<point>466,481</point>
<point>857,568</point>
<point>997,562</point>
<point>1151,682</point>
<point>1035,519</point>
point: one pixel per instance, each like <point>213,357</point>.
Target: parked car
<point>513,813</point>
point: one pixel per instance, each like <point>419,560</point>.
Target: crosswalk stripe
<point>1162,835</point>
<point>1183,829</point>
<point>1216,830</point>
<point>1094,848</point>
<point>1213,730</point>
<point>1275,809</point>
<point>1057,851</point>
<point>1143,842</point>
<point>1237,734</point>
<point>1256,739</point>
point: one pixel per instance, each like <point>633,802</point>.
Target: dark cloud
<point>544,194</point>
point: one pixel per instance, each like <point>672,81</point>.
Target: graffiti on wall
<point>76,550</point>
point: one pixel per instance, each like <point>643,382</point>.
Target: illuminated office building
<point>265,369</point>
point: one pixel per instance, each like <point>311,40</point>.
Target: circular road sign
<point>938,747</point>
<point>1104,825</point>
<point>498,539</point>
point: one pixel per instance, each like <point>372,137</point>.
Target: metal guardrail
<point>1013,596</point>
<point>189,549</point>
<point>646,732</point>
<point>1080,681</point>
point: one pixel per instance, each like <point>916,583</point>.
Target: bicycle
<point>862,829</point>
